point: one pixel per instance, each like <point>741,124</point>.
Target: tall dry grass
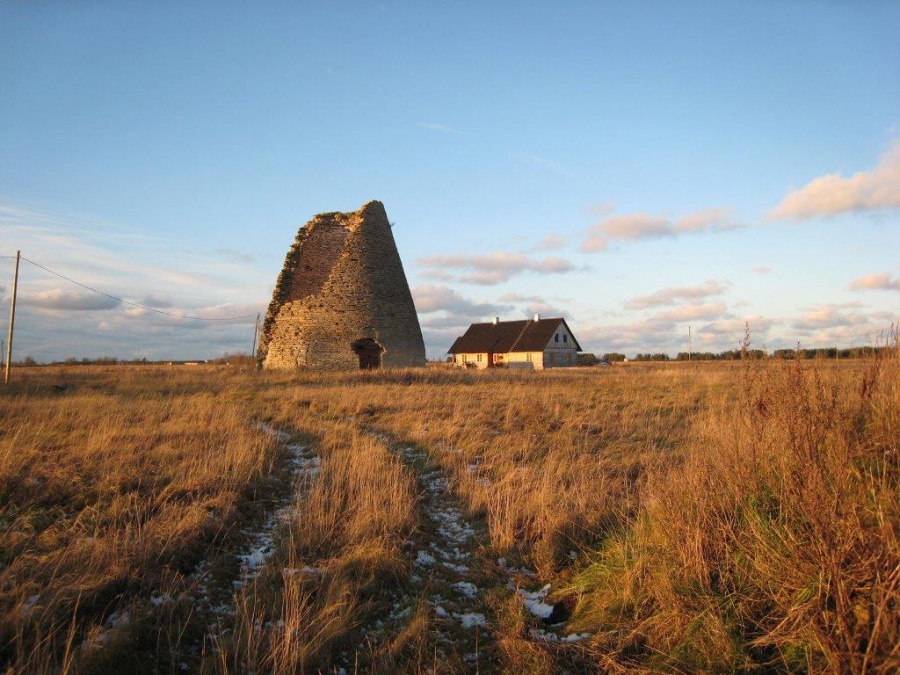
<point>775,544</point>
<point>698,517</point>
<point>111,490</point>
<point>340,557</point>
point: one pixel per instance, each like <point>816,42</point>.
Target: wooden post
<point>255,333</point>
<point>12,320</point>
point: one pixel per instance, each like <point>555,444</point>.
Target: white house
<point>534,343</point>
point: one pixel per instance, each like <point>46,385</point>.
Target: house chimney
<point>537,317</point>
<point>496,320</point>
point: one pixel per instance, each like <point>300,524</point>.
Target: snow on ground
<point>441,553</point>
<point>467,588</point>
<point>471,620</point>
<point>542,635</point>
<point>209,597</point>
<point>533,601</point>
<point>425,559</point>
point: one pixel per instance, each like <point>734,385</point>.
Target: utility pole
<point>12,320</point>
<point>255,333</point>
<point>689,344</point>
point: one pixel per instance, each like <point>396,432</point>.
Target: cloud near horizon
<point>635,227</point>
<point>58,320</point>
<point>74,301</point>
<point>431,298</point>
<point>875,282</point>
<point>667,297</point>
<point>492,268</point>
<point>833,194</point>
<point>709,312</point>
<point>668,334</point>
<point>842,324</point>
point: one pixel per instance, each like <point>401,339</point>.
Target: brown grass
<point>699,517</point>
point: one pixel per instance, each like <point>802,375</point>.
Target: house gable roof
<point>509,336</point>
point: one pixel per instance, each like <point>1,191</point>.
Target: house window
<point>565,338</point>
<point>556,338</point>
<point>528,356</point>
<point>479,358</point>
<point>465,357</point>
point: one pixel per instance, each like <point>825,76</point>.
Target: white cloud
<point>692,313</point>
<point>875,282</point>
<point>550,242</point>
<point>845,324</point>
<point>58,299</point>
<point>156,301</point>
<point>430,298</point>
<point>832,194</point>
<point>712,219</point>
<point>130,264</point>
<point>443,128</point>
<point>733,331</point>
<point>674,295</point>
<point>495,268</point>
<point>642,226</point>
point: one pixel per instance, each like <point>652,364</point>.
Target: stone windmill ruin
<point>342,301</point>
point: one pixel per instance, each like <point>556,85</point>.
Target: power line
<point>128,302</point>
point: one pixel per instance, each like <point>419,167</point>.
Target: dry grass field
<point>706,517</point>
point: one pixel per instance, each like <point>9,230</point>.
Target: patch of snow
<point>471,620</point>
<point>257,556</point>
<point>280,436</point>
<point>533,600</point>
<point>441,612</point>
<point>425,559</point>
<point>398,613</point>
<point>541,635</point>
<point>467,588</point>
<point>117,620</point>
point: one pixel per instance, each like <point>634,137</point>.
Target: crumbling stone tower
<point>342,300</point>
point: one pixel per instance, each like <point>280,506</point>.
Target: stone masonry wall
<point>342,281</point>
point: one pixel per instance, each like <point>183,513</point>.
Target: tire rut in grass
<point>217,580</point>
<point>448,581</point>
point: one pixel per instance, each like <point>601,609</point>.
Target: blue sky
<point>636,167</point>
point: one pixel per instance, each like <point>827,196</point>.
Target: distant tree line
<point>587,359</point>
<point>737,354</point>
<point>240,360</point>
<point>727,355</point>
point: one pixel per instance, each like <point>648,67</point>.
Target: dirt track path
<point>449,578</point>
<point>215,583</point>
